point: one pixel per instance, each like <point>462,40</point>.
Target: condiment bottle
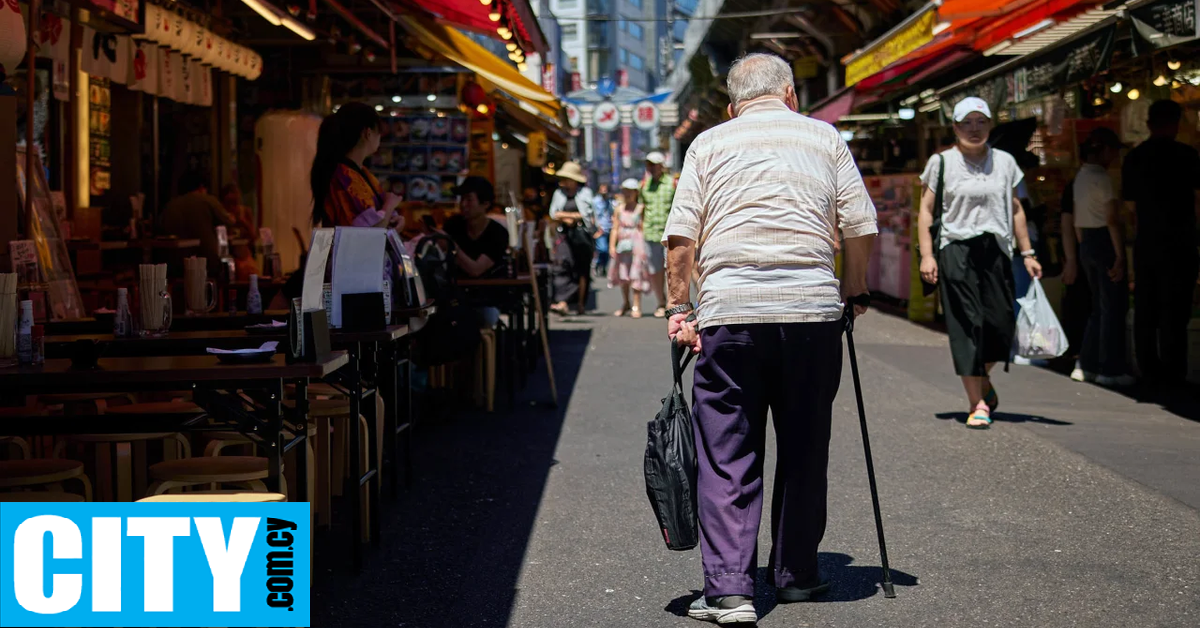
<point>25,334</point>
<point>122,322</point>
<point>254,297</point>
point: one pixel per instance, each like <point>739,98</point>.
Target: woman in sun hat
<point>982,222</point>
<point>629,268</point>
<point>572,208</point>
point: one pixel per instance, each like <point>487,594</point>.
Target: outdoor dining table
<point>367,372</point>
<point>247,398</point>
<point>212,321</point>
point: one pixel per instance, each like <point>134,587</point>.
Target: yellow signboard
<point>805,68</point>
<point>900,43</point>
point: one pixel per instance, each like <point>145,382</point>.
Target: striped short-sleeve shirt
<point>765,196</point>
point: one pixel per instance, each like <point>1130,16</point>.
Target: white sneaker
<point>1081,375</point>
<point>1021,361</point>
<point>1119,381</point>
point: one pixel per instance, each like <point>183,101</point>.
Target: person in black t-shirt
<point>1160,177</point>
<point>482,242</point>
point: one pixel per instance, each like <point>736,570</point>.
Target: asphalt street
<point>1078,508</point>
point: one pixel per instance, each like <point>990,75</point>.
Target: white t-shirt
<point>977,200</point>
<point>1093,190</point>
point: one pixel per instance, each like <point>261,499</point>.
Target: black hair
<point>340,132</point>
<point>190,181</point>
<point>1164,113</point>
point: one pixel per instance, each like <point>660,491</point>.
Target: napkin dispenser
<point>315,332</point>
<point>363,312</point>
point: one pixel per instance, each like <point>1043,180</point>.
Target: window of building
<point>568,4</point>
<point>598,63</point>
<point>636,3</point>
<point>570,32</point>
<point>635,61</point>
<point>635,30</point>
<point>623,57</point>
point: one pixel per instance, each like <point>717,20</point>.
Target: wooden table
<point>508,293</point>
<point>213,321</point>
<point>365,373</point>
<point>245,398</point>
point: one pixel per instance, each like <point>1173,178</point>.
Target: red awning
<point>833,108</point>
<point>473,16</point>
<point>942,64</point>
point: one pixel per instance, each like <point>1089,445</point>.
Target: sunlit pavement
<point>1078,508</point>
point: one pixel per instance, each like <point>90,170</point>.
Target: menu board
<point>99,134</point>
<point>1166,22</point>
<point>421,156</point>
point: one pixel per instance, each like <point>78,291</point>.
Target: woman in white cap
<point>969,192</point>
<point>628,268</point>
<point>571,206</point>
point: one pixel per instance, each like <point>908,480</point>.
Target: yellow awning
<point>460,49</point>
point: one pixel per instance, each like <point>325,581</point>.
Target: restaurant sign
<point>1064,66</point>
<point>1166,22</point>
<point>892,47</point>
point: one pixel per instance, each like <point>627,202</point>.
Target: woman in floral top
<point>344,193</point>
<point>628,267</point>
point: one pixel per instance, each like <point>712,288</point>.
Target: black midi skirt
<point>976,283</point>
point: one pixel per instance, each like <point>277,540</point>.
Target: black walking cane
<point>865,299</point>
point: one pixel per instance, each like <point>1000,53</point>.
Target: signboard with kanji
<point>917,33</point>
<point>606,116</point>
<point>1165,23</point>
<point>645,115</point>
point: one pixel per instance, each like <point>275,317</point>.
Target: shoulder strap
<point>939,194</point>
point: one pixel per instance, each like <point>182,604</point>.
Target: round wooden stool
<point>130,478</point>
<point>243,471</point>
<point>17,444</point>
<point>40,496</point>
<point>42,472</point>
<point>217,496</point>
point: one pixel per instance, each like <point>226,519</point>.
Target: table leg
<point>375,449</point>
<point>352,479</point>
<point>301,447</point>
<point>410,415</point>
<point>275,436</point>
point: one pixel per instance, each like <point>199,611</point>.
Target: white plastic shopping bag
<point>1039,334</point>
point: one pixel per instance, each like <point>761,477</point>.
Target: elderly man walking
<point>763,198</point>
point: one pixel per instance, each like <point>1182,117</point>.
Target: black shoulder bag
<point>935,228</point>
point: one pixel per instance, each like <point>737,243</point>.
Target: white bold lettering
<point>29,571</point>
<point>227,562</point>
<point>106,564</point>
<point>160,533</point>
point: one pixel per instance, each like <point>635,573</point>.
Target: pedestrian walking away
<point>604,226</point>
<point>1101,236</point>
<point>572,206</point>
<point>763,198</point>
<point>628,268</point>
<point>657,193</point>
<point>969,190</point>
<point>1159,179</point>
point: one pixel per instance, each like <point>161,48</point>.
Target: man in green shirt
<point>657,192</point>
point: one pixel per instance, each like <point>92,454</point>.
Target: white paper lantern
<point>247,62</point>
<point>12,44</point>
<point>208,48</point>
<point>162,28</point>
<point>235,66</point>
<point>256,66</point>
<point>177,41</point>
<point>218,52</point>
<point>187,37</point>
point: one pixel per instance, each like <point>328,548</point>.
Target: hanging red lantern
<point>476,100</point>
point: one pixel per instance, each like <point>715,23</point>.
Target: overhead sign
<point>805,68</point>
<point>1066,65</point>
<point>606,116</point>
<point>645,115</point>
<point>1166,23</point>
<point>890,48</point>
<point>535,150</point>
<point>574,116</point>
<point>606,87</point>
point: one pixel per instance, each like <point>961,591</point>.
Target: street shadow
<point>849,583</point>
<point>1004,417</point>
<point>455,541</point>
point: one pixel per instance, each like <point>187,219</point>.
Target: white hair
<point>756,75</point>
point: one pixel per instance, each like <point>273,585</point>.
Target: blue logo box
<point>154,564</point>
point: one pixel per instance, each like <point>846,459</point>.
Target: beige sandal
<point>637,313</point>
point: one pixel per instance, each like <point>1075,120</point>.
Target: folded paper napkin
<point>268,347</point>
<point>270,325</point>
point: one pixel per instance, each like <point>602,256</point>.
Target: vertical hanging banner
<point>206,85</point>
<point>167,73</point>
<point>55,40</point>
<point>143,71</point>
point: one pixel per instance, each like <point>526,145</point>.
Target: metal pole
<point>30,100</point>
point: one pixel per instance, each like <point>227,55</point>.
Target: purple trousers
<point>792,369</point>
